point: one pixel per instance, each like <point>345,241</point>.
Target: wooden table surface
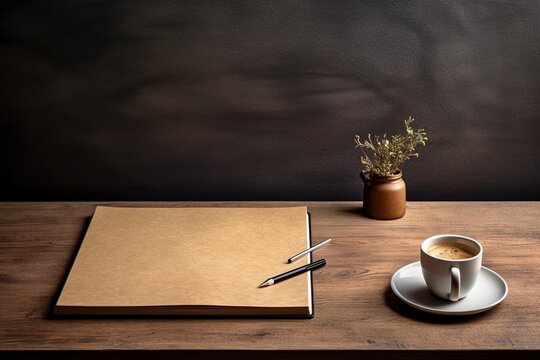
<point>356,312</point>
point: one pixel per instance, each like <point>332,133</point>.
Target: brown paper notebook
<point>190,261</point>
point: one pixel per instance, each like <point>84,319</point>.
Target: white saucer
<point>409,285</point>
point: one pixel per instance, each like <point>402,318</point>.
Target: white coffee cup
<point>450,279</point>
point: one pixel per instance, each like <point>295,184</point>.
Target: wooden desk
<point>356,313</point>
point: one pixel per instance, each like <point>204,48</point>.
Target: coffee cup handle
<point>455,284</point>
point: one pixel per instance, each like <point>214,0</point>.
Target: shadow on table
<point>69,264</point>
<point>394,303</point>
<point>357,211</point>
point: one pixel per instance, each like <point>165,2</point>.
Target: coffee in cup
<point>451,251</point>
<point>450,265</point>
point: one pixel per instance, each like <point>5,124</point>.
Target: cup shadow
<point>394,303</point>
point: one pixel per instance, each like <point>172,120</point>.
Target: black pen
<point>289,274</point>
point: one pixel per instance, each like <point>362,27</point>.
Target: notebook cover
<point>82,275</point>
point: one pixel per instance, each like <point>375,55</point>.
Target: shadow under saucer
<point>408,285</point>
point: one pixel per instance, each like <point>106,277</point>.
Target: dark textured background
<point>261,99</point>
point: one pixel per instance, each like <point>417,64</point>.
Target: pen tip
<point>267,283</point>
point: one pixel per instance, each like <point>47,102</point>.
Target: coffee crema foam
<point>452,251</point>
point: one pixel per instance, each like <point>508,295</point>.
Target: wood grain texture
<point>355,309</point>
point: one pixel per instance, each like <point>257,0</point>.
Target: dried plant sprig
<point>389,154</point>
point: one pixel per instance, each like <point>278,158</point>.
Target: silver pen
<point>307,251</point>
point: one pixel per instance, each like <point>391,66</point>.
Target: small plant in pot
<point>384,188</point>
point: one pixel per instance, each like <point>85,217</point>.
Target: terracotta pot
<point>384,196</point>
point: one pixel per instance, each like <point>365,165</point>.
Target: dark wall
<point>261,99</point>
